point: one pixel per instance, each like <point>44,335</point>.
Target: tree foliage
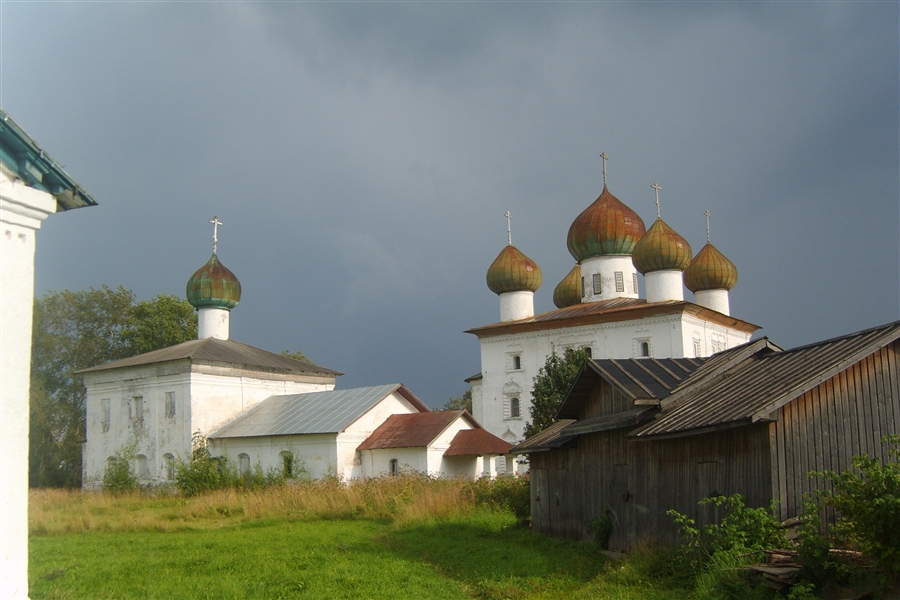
<point>75,330</point>
<point>550,387</point>
<point>463,402</point>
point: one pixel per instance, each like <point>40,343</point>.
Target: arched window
<point>645,348</point>
<point>244,464</point>
<point>169,461</point>
<point>394,467</point>
<point>143,471</point>
<point>287,463</point>
<point>514,411</point>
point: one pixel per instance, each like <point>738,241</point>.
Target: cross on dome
<point>706,212</point>
<point>603,156</point>
<point>656,187</point>
<point>215,223</point>
<point>508,227</point>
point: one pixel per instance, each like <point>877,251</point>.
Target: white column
<point>212,323</point>
<point>664,285</point>
<point>22,209</point>
<point>487,463</point>
<point>516,305</point>
<point>714,299</point>
<point>609,271</point>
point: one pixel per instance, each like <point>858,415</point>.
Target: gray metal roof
<point>315,412</point>
<point>219,352</point>
<point>552,437</point>
<point>756,386</point>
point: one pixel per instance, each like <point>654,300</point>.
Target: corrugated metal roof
<point>477,442</point>
<point>613,310</point>
<point>411,430</point>
<point>761,383</point>
<point>315,412</point>
<point>552,437</point>
<point>224,352</point>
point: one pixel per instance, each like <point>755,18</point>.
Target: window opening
<point>170,405</point>
<point>645,348</point>
<point>244,464</point>
<point>287,463</point>
<point>514,411</point>
<point>598,284</point>
<point>170,466</point>
<point>143,472</point>
<point>588,352</point>
<point>620,281</point>
<point>137,411</point>
<point>517,362</point>
<point>634,283</point>
<point>394,467</point>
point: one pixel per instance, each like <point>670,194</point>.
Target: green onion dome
<point>710,270</point>
<point>213,286</point>
<point>606,227</point>
<point>512,271</point>
<point>661,249</point>
<point>568,292</point>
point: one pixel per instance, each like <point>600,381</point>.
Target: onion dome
<point>606,227</point>
<point>710,270</point>
<point>213,286</point>
<point>512,271</point>
<point>568,292</point>
<point>661,249</point>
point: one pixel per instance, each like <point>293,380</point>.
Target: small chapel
<point>599,308</point>
<point>264,410</point>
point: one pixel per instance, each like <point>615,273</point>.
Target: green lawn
<point>478,555</point>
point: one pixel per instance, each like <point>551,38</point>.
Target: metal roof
<point>31,163</point>
<point>221,352</point>
<point>314,412</point>
<point>609,311</point>
<point>412,430</point>
<point>759,384</point>
<point>477,442</point>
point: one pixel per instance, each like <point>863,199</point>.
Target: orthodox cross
<point>656,187</point>
<point>603,156</point>
<point>216,222</point>
<point>706,212</point>
<point>508,227</point>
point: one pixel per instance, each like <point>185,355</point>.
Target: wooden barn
<point>638,437</point>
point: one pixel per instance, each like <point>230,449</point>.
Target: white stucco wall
<point>607,267</point>
<point>205,399</point>
<point>22,209</point>
<point>664,285</point>
<point>667,336</point>
<point>516,305</point>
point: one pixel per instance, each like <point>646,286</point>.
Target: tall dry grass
<point>400,499</point>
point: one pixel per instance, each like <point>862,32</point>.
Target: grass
<point>392,538</point>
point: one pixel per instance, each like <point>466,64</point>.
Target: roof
<point>753,388</point>
<point>412,430</point>
<point>222,352</point>
<point>31,163</point>
<point>634,378</point>
<point>609,311</point>
<point>477,442</point>
<point>552,437</point>
<point>314,412</point>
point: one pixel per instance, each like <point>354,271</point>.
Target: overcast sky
<point>361,157</point>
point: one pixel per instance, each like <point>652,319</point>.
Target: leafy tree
<point>74,330</point>
<point>463,402</point>
<point>550,387</point>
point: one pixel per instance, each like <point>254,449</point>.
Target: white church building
<point>599,309</point>
<point>263,410</point>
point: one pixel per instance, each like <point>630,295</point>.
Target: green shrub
<point>203,472</point>
<point>601,528</point>
<point>119,477</point>
<point>512,493</point>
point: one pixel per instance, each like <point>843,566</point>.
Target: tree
<point>74,330</point>
<point>463,402</point>
<point>550,387</point>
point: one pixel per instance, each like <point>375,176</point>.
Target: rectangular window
<point>137,411</point>
<point>582,287</point>
<point>170,405</point>
<point>620,281</point>
<point>517,362</point>
<point>598,285</point>
<point>514,412</point>
<point>104,414</point>
<point>634,283</point>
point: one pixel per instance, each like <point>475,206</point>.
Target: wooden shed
<point>638,437</point>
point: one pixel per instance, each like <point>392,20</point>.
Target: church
<point>264,410</point>
<point>599,308</point>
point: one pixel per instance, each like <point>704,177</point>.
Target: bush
<point>119,477</point>
<point>510,493</point>
<point>203,472</point>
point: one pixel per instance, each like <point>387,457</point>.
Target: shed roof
<point>756,386</point>
<point>314,412</point>
<point>477,442</point>
<point>412,430</point>
<point>552,437</point>
<point>219,352</point>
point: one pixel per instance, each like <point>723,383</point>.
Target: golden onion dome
<point>568,292</point>
<point>512,271</point>
<point>213,286</point>
<point>606,227</point>
<point>661,249</point>
<point>710,270</point>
